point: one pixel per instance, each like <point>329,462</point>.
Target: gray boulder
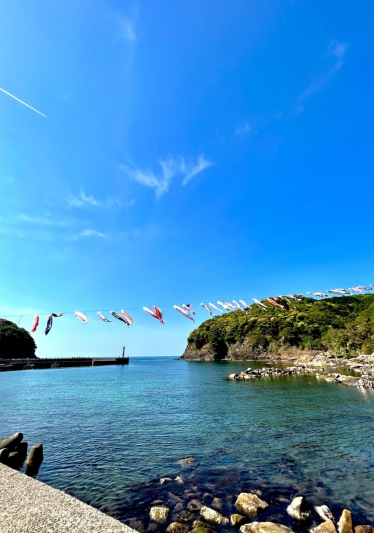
<point>159,513</point>
<point>264,527</point>
<point>345,522</point>
<point>177,527</point>
<point>324,512</point>
<point>326,527</point>
<point>250,504</point>
<point>212,516</point>
<point>297,509</point>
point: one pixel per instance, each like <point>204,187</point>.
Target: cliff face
<point>341,326</point>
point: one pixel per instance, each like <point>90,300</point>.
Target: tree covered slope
<point>343,326</point>
<point>15,342</point>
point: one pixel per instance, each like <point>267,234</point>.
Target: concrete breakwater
<point>35,363</point>
<point>13,452</point>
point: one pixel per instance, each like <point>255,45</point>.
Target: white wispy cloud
<point>43,221</point>
<point>336,50</point>
<point>128,31</point>
<point>243,130</point>
<point>83,200</point>
<point>170,168</point>
<point>92,233</point>
<point>191,169</point>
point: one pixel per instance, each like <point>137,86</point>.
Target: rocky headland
<point>306,330</point>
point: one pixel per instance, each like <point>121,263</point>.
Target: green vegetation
<point>343,326</point>
<point>15,342</point>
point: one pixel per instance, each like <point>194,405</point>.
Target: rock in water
<point>264,527</point>
<point>295,509</point>
<point>217,503</point>
<point>364,529</point>
<point>185,463</point>
<point>194,505</point>
<point>345,522</point>
<point>324,512</point>
<point>326,527</point>
<point>164,480</point>
<point>212,516</point>
<point>236,520</point>
<point>200,523</point>
<point>177,527</point>
<point>250,504</point>
<point>159,513</point>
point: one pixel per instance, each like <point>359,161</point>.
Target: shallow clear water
<point>110,432</point>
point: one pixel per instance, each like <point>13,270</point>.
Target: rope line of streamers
<point>272,300</point>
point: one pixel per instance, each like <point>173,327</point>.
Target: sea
<point>110,433</point>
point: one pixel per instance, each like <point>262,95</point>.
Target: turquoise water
<point>109,433</point>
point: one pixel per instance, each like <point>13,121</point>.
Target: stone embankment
<point>199,517</point>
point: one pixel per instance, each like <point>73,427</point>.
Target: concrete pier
<point>34,364</point>
<point>29,506</point>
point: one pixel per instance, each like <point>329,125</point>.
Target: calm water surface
<point>109,433</point>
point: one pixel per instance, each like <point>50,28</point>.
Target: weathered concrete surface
<point>29,506</point>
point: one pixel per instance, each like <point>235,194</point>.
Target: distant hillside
<point>15,342</point>
<point>343,326</point>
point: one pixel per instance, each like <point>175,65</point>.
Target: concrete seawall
<point>29,506</point>
<point>36,364</point>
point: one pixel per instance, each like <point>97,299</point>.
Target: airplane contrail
<point>24,103</point>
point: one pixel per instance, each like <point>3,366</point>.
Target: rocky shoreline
<point>189,504</point>
<point>362,366</point>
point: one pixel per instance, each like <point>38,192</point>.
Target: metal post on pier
<point>123,352</point>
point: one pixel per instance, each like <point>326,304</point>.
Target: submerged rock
<point>326,527</point>
<point>345,522</point>
<point>164,480</point>
<point>184,516</point>
<point>250,504</point>
<point>217,503</point>
<point>159,513</point>
<point>297,509</point>
<point>212,516</point>
<point>186,462</point>
<point>324,512</point>
<point>364,529</point>
<point>237,520</point>
<point>200,523</point>
<point>177,527</point>
<point>265,527</point>
<point>194,505</point>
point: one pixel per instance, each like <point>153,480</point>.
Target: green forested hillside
<point>15,342</point>
<point>342,325</point>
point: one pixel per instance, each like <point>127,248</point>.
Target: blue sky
<point>192,151</point>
